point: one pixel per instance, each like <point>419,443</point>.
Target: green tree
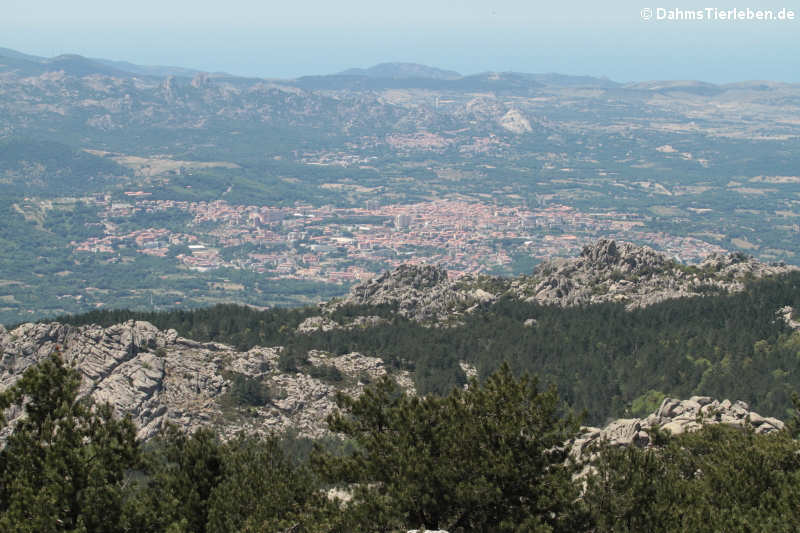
<point>486,458</point>
<point>182,471</point>
<point>718,479</point>
<point>63,467</point>
<point>261,490</point>
<point>634,490</point>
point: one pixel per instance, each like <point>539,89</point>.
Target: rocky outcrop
<point>323,323</point>
<point>422,293</point>
<point>515,122</point>
<point>157,377</point>
<point>675,417</point>
<point>605,271</point>
<point>787,314</point>
<point>638,276</point>
<point>317,323</point>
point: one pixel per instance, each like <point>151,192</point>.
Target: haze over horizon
<point>286,41</point>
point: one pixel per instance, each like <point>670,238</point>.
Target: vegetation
<point>64,466</point>
<point>487,458</point>
<point>52,168</point>
<point>717,479</point>
<point>247,391</point>
<point>482,459</point>
<point>604,359</point>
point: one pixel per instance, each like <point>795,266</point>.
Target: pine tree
<point>488,458</point>
<point>64,465</point>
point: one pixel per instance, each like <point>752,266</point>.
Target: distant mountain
<point>402,71</point>
<point>415,76</point>
<point>77,65</point>
<point>71,64</point>
<point>153,70</point>
<point>564,80</point>
<point>378,77</point>
<point>683,86</point>
<point>407,71</point>
<point>8,52</point>
<point>489,81</point>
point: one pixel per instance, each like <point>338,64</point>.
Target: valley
<point>284,192</point>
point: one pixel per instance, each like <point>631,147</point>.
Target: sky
<point>287,39</point>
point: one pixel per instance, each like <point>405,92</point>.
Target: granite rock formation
<point>605,271</point>
<point>676,417</point>
<point>157,377</point>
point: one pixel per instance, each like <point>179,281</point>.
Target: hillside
<point>160,378</point>
<point>342,412</point>
<point>726,330</point>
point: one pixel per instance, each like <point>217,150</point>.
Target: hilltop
<point>402,70</point>
<point>605,271</point>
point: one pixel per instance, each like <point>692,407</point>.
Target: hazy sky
<point>293,38</point>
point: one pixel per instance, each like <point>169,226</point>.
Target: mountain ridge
<point>96,65</point>
<point>401,73</point>
<point>401,70</point>
<point>289,379</point>
<point>605,271</point>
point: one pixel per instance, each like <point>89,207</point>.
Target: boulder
<point>676,417</point>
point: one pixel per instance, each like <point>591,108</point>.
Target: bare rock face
<point>317,323</point>
<point>515,122</point>
<point>157,377</point>
<point>676,417</point>
<point>422,293</point>
<point>605,271</point>
<point>787,314</point>
<point>323,323</point>
<point>639,276</point>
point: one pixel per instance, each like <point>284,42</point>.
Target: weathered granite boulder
<point>676,417</point>
<point>421,292</point>
<point>787,315</point>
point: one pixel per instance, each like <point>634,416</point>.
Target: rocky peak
<point>607,271</point>
<point>423,293</point>
<point>626,257</point>
<point>603,251</point>
<point>411,277</point>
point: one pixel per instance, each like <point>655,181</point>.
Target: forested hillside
<point>72,466</point>
<point>603,358</point>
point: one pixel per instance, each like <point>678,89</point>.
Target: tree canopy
<point>486,458</point>
<point>63,468</point>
